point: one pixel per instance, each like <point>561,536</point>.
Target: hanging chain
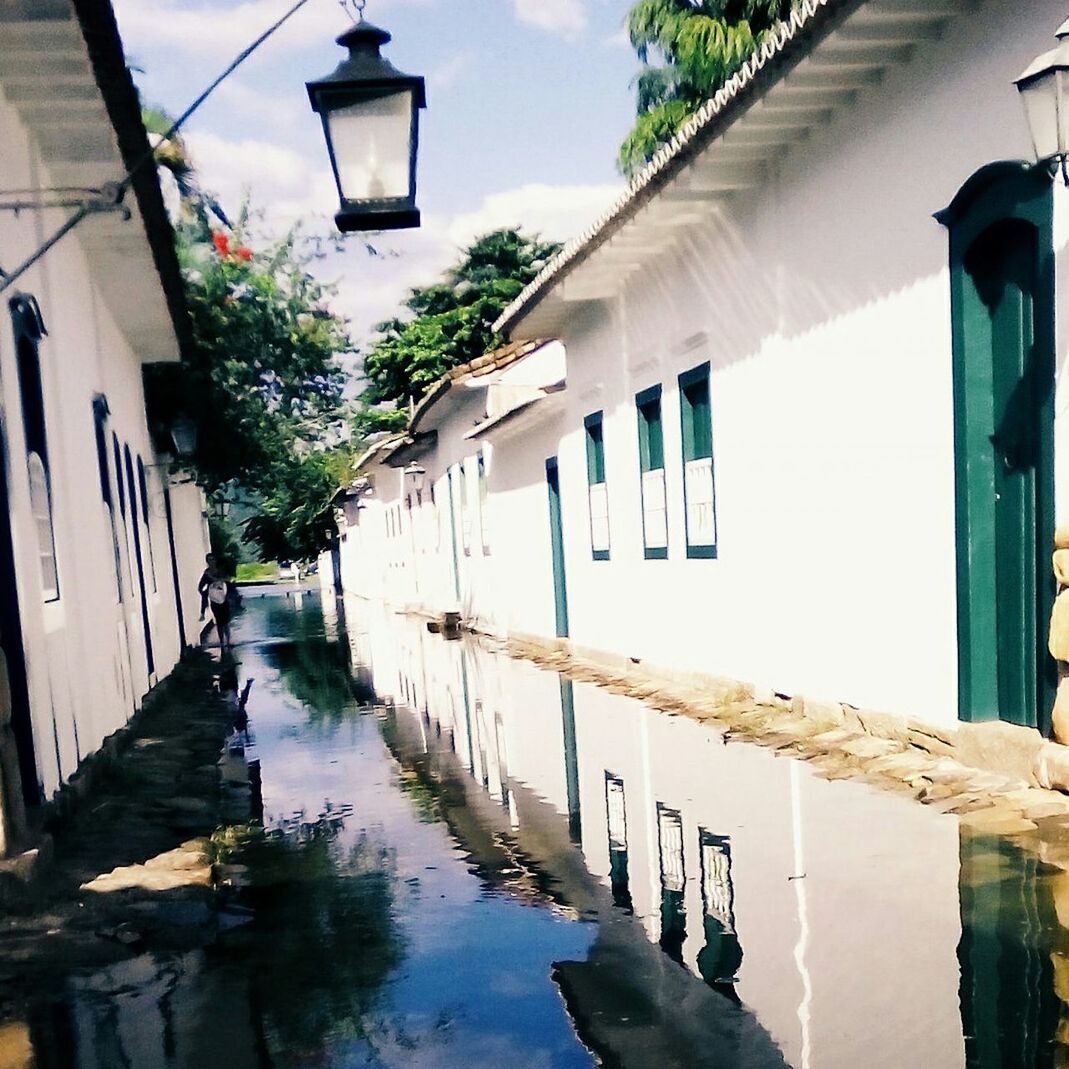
<point>360,5</point>
<point>349,6</point>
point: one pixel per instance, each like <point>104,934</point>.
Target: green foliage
<point>295,518</point>
<point>262,380</point>
<point>689,49</point>
<point>452,321</point>
<point>224,542</point>
<point>257,573</point>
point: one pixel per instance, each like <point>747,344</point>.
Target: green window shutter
<point>699,484</point>
<point>598,498</point>
<point>595,449</point>
<point>650,431</point>
<point>651,471</point>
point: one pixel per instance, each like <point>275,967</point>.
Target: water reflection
<point>820,920</point>
<point>470,862</point>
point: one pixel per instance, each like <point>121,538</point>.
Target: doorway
<point>556,538</point>
<point>1002,277</point>
<point>11,644</point>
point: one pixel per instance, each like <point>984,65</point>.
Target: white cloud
<point>214,31</point>
<point>286,184</point>
<point>370,290</point>
<point>565,17</point>
<point>448,73</point>
<point>556,212</point>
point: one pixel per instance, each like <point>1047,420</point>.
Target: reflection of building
<point>828,912</point>
<point>99,548</point>
<point>809,395</point>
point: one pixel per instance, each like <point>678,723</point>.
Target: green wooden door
<point>556,537</point>
<point>1002,272</point>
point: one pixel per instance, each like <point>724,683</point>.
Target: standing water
<point>467,861</point>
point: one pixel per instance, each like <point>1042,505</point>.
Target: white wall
<point>822,303</point>
<point>85,652</point>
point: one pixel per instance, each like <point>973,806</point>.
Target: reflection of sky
<point>475,978</point>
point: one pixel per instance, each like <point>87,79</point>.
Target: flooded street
<point>472,862</point>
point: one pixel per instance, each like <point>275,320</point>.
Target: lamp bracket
<point>108,198</point>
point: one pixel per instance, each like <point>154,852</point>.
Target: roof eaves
<point>789,44</point>
<point>483,365</point>
<point>123,103</point>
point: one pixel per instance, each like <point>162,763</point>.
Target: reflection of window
<point>673,880</point>
<point>597,488</point>
<point>699,492</point>
<point>651,467</point>
<point>617,826</point>
<point>42,519</point>
<point>484,512</point>
<point>465,514</point>
<point>720,958</point>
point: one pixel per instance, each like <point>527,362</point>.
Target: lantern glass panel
<point>1040,97</point>
<point>372,143</point>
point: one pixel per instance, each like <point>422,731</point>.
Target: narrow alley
<point>466,860</point>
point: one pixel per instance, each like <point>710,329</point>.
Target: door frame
<point>556,537</point>
<point>1006,190</point>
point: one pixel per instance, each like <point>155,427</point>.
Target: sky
<point>528,101</point>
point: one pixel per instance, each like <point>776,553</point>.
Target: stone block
<point>1050,767</point>
<point>1058,640</point>
<point>1060,561</point>
<point>1008,749</point>
<point>1060,714</point>
<point>826,714</point>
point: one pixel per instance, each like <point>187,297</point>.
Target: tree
<point>262,379</point>
<point>452,320</point>
<point>699,44</point>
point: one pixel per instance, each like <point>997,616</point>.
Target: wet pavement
<point>468,861</point>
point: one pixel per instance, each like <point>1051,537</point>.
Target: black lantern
<point>370,113</point>
<point>1044,88</point>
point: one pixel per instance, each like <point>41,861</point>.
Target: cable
<point>116,191</point>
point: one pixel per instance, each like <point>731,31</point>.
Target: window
<point>29,328</point>
<point>41,508</point>
<point>142,483</point>
<point>651,468</point>
<point>598,492</point>
<point>484,512</point>
<point>699,488</point>
<point>100,419</point>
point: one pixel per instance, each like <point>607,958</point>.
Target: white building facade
<point>100,545</point>
<point>811,436</point>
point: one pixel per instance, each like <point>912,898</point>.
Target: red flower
<point>222,243</point>
<point>244,253</point>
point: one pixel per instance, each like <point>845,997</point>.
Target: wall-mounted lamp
<point>1044,89</point>
<point>417,473</point>
<point>184,436</point>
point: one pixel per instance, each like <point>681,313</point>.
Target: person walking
<point>214,590</point>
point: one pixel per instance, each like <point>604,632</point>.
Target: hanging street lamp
<point>370,113</point>
<point>1044,89</point>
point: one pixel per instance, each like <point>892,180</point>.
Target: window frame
<point>695,447</point>
<point>28,329</point>
<point>650,462</point>
<point>597,481</point>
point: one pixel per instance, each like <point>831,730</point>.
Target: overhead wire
<point>112,194</point>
